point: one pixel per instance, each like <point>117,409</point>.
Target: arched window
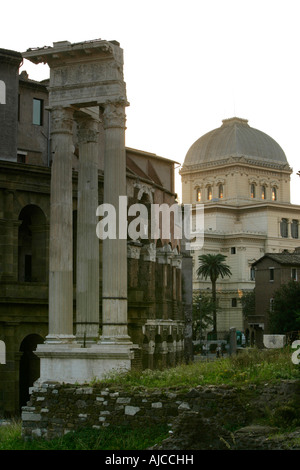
<point>274,194</point>
<point>263,192</point>
<point>198,195</point>
<point>295,228</point>
<point>221,191</point>
<point>284,228</point>
<point>252,190</point>
<point>209,193</point>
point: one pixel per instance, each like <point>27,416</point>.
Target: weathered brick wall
<point>54,410</point>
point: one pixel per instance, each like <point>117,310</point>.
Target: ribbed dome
<point>235,138</point>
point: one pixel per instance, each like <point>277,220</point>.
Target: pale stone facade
<point>242,177</point>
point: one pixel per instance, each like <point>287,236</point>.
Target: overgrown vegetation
<point>285,315</point>
<point>248,303</point>
<point>249,366</point>
<point>108,438</point>
<point>202,315</point>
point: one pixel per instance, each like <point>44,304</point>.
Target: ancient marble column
<point>61,231</point>
<point>87,267</point>
<point>114,293</point>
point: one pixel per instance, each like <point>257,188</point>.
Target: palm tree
<point>213,266</point>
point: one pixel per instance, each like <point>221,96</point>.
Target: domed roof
<point>235,138</point>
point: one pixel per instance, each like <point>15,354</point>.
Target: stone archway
<point>29,370</point>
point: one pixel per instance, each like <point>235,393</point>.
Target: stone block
<point>37,432</point>
<point>83,390</point>
<point>274,341</point>
<point>29,416</point>
<point>131,410</point>
<point>123,400</point>
<point>157,404</point>
<point>184,406</point>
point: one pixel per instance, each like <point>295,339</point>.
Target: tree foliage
<point>248,303</point>
<point>213,266</point>
<point>285,315</point>
<point>202,314</point>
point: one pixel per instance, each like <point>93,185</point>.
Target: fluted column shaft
<point>114,295</point>
<point>87,278</point>
<point>61,231</point>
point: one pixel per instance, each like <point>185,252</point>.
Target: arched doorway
<point>29,370</point>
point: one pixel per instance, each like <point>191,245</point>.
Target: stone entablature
<point>86,73</point>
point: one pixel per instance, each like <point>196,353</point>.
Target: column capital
<point>114,114</point>
<point>62,120</point>
<point>88,128</point>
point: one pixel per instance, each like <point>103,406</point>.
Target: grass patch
<point>249,366</point>
<point>109,438</point>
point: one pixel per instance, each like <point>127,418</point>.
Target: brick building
<point>271,271</point>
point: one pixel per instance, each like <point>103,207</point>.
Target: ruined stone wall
<point>54,410</point>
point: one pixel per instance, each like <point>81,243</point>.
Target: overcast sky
<point>188,64</point>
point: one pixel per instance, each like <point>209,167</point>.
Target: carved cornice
<point>238,160</point>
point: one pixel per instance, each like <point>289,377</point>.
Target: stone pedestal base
<point>70,363</point>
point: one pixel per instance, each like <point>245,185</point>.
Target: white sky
<point>188,64</point>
